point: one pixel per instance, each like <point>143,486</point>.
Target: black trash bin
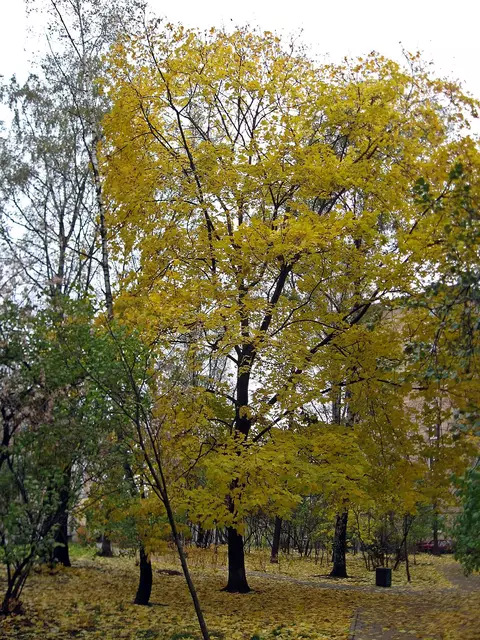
<point>383,577</point>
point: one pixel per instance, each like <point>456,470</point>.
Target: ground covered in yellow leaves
<point>93,600</point>
<point>425,569</point>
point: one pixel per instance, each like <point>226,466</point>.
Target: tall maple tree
<point>261,203</point>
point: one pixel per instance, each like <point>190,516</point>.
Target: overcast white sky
<point>446,31</point>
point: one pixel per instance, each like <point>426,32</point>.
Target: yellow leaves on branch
<point>265,211</point>
<point>227,156</point>
<point>273,476</point>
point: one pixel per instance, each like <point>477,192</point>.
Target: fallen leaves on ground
<point>93,600</point>
<point>425,569</point>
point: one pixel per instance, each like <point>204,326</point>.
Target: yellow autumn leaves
<point>265,214</point>
<point>92,600</point>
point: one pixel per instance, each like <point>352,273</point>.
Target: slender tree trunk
<point>276,540</point>
<point>237,577</point>
<point>436,547</point>
<point>204,537</point>
<point>103,227</point>
<point>183,558</point>
<point>438,433</point>
<point>402,553</point>
<point>339,569</point>
<point>407,563</point>
<point>146,578</point>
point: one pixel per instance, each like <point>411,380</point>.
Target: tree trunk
<point>202,537</point>
<point>15,582</point>
<point>183,559</point>
<point>146,577</point>
<point>93,153</point>
<point>400,556</point>
<point>106,550</point>
<point>407,564</point>
<point>402,553</point>
<point>436,547</point>
<point>237,578</point>
<point>339,569</point>
<point>60,551</point>
<point>276,540</point>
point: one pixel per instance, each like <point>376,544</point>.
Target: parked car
<point>444,546</point>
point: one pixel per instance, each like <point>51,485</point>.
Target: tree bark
<point>183,558</point>
<point>276,540</point>
<point>200,542</point>
<point>93,153</point>
<point>339,569</point>
<point>146,579</point>
<point>60,551</point>
<point>407,563</point>
<point>237,577</point>
<point>436,547</point>
<point>106,550</point>
<point>15,583</point>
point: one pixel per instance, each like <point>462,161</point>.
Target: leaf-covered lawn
<point>93,600</point>
<point>424,569</point>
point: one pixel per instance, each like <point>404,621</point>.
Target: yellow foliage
<point>265,212</point>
